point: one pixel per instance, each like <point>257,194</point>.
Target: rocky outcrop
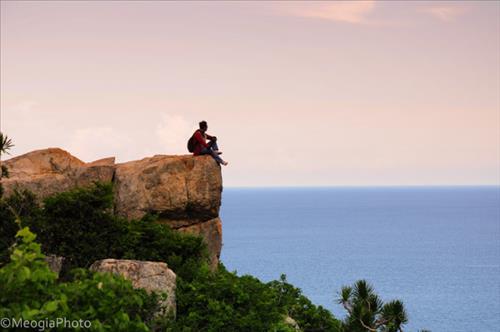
<point>185,191</point>
<point>151,276</point>
<point>50,171</point>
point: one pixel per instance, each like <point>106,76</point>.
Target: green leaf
<point>23,273</point>
<point>50,306</point>
<point>26,234</point>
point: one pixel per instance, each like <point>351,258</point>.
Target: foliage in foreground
<point>223,301</point>
<point>29,290</point>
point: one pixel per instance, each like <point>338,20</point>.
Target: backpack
<point>191,143</point>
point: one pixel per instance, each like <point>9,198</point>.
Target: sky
<point>298,93</point>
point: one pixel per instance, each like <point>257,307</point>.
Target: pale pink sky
<point>299,93</point>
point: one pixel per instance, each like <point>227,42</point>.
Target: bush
<point>24,204</point>
<point>308,316</point>
<point>29,290</point>
<point>147,240</point>
<point>80,225</point>
<point>222,301</point>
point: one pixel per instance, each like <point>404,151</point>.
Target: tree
<point>367,312</point>
<point>5,143</point>
<point>5,146</point>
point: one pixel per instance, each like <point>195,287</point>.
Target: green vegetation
<point>80,226</point>
<point>308,316</point>
<point>29,290</point>
<point>367,312</point>
<point>5,145</point>
<point>223,301</point>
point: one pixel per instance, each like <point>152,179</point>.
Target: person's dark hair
<point>203,125</point>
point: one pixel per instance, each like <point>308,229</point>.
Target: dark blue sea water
<point>435,248</point>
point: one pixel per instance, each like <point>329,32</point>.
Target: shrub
<point>29,290</point>
<point>222,301</point>
<point>308,316</point>
<point>80,225</point>
<point>147,240</point>
<point>24,204</point>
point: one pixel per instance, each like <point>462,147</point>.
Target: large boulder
<point>150,276</point>
<point>49,171</point>
<point>184,191</point>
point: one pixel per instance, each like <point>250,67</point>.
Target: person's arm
<point>211,138</point>
<point>199,137</point>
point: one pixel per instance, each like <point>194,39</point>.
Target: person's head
<point>203,126</point>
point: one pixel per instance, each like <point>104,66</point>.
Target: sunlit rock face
<point>150,276</point>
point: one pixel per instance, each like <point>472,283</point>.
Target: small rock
<point>55,263</point>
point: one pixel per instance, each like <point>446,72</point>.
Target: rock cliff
<point>185,191</point>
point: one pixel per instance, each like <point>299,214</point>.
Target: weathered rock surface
<point>185,191</point>
<point>151,276</point>
<point>212,230</point>
<point>55,263</point>
<point>292,323</point>
<point>49,171</point>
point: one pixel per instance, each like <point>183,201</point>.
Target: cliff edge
<point>185,191</point>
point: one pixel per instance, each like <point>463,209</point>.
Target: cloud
<point>354,12</point>
<point>93,143</point>
<point>173,131</point>
<point>444,13</point>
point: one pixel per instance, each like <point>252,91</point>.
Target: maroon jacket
<point>201,142</point>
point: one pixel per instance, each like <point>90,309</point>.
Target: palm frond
<point>362,290</point>
<point>345,294</point>
<point>5,144</point>
<point>395,312</point>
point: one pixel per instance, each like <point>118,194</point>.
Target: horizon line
<point>366,186</point>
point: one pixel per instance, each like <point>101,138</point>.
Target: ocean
<point>435,248</point>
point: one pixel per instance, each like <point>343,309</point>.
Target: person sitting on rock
<point>201,146</point>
